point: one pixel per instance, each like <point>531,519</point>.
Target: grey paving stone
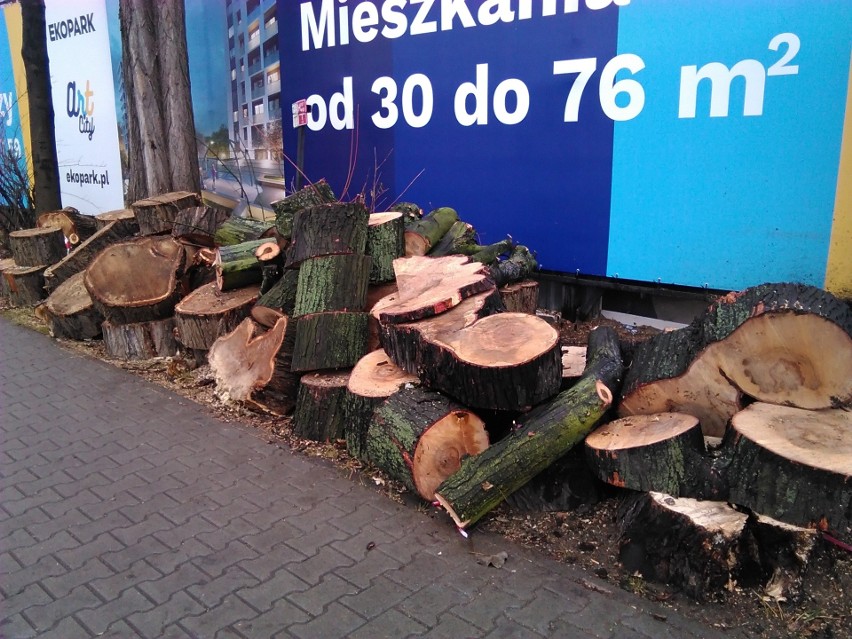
<point>273,621</point>
<point>62,584</point>
<point>16,627</point>
<point>47,615</point>
<point>262,595</point>
<point>336,621</point>
<point>316,598</point>
<point>130,601</point>
<point>429,603</point>
<point>379,597</point>
<point>451,627</point>
<point>68,627</point>
<point>108,588</point>
<point>389,624</point>
<point>208,623</point>
<point>313,569</point>
<point>213,591</point>
<point>153,622</point>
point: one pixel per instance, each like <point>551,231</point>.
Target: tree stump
<point>546,434</point>
<point>319,414</point>
<point>136,280</point>
<point>520,297</point>
<point>780,343</point>
<point>76,227</point>
<point>286,209</point>
<point>699,546</point>
<point>22,285</point>
<point>420,437</point>
<point>384,244</point>
<point>81,256</point>
<point>158,214</point>
<point>236,230</point>
<point>794,465</point>
<point>424,233</point>
<point>38,246</point>
<point>197,225</point>
<point>253,367</point>
<point>374,379</point>
<point>140,340</point>
<point>124,219</point>
<point>332,283</point>
<point>69,311</point>
<point>330,340</point>
<point>206,314</point>
<point>329,229</point>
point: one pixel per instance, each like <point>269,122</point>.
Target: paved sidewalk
<point>126,511</point>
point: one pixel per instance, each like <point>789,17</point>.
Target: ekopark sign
<point>681,142</point>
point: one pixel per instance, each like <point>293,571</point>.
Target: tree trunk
<point>69,311</point>
<point>286,209</point>
<point>384,245</point>
<point>236,230</point>
<point>238,266</point>
<point>459,236</point>
<point>137,280</point>
<point>37,247</point>
<point>520,297</point>
<point>46,190</point>
<point>420,437</point>
<point>332,283</point>
<point>82,255</point>
<point>124,220</point>
<point>319,414</point>
<point>196,225</point>
<point>329,229</point>
<point>141,340</point>
<point>520,265</point>
<point>423,234</point>
<point>206,314</point>
<point>374,379</point>
<point>336,339</point>
<point>76,227</point>
<point>158,214</point>
<point>282,295</point>
<point>22,285</point>
<point>547,433</point>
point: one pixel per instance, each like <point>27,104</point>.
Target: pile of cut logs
<point>399,334</point>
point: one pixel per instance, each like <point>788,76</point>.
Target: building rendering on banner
<point>255,83</point>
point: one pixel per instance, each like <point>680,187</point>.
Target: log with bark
<point>253,367</point>
<point>335,339</point>
<point>282,296</point>
<point>332,283</point>
<point>137,280</point>
<point>75,226</point>
<point>124,219</point>
<point>238,265</point>
<point>21,285</point>
<point>457,240</point>
<point>286,209</point>
<point>520,265</point>
<point>69,312</point>
<point>208,313</point>
<point>373,379</point>
<point>780,343</point>
<point>384,244</point>
<point>421,437</point>
<point>38,246</point>
<point>82,255</point>
<point>546,433</point>
<point>236,230</point>
<point>319,413</point>
<point>197,225</point>
<point>376,292</point>
<point>140,340</point>
<point>158,214</point>
<point>520,297</point>
<point>423,234</point>
<point>328,229</point>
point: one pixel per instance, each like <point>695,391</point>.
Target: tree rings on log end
<point>69,311</point>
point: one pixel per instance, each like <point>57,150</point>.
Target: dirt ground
<point>585,534</point>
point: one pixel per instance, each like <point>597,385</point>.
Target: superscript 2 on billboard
<point>695,143</point>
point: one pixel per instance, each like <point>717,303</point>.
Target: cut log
<point>374,379</point>
<point>780,343</point>
<point>794,465</point>
<point>456,240</point>
<point>75,226</point>
<point>376,292</point>
<point>319,413</point>
<point>125,222</point>
<point>140,340</point>
<point>424,233</point>
<point>489,254</point>
<point>411,212</point>
<point>785,553</point>
<point>158,214</point>
<point>573,362</point>
<point>38,246</point>
<point>270,276</point>
<point>81,256</point>
<point>699,546</point>
<point>254,368</point>
<point>336,339</point>
<point>520,265</point>
<point>69,311</point>
<point>206,314</point>
<point>384,244</point>
<point>266,317</point>
<point>197,225</point>
<point>430,286</point>
<point>329,229</point>
<point>282,296</point>
<point>236,230</point>
<point>332,283</point>
<point>22,285</point>
<point>520,297</point>
<point>237,265</point>
<point>286,209</point>
<point>547,433</point>
<point>268,252</point>
<point>136,280</point>
<point>663,453</point>
<point>420,437</point>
